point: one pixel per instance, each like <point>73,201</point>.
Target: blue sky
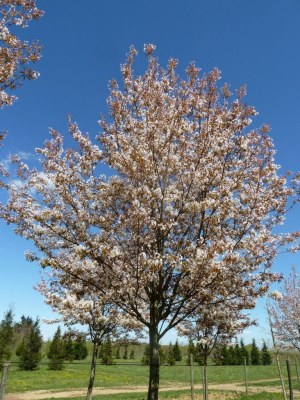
<point>84,42</point>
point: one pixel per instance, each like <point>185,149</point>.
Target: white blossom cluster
<point>78,304</point>
<point>15,54</point>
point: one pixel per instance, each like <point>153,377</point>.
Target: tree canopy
<point>187,216</point>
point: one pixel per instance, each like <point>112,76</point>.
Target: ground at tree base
<point>234,391</point>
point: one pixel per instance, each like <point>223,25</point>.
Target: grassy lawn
<point>277,383</point>
<point>135,396</point>
<point>76,376</point>
<point>227,374</point>
<point>185,395</point>
<point>261,396</point>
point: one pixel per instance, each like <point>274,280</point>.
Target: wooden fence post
<point>191,377</point>
<point>297,372</point>
<point>205,383</point>
<point>3,380</point>
<point>246,374</point>
<point>290,379</point>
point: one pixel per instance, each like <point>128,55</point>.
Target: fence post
<point>3,380</point>
<point>297,372</point>
<point>191,377</point>
<point>205,384</point>
<point>277,356</point>
<point>290,379</point>
<point>246,374</point>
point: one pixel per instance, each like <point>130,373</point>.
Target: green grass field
<point>126,373</point>
<point>182,395</point>
<point>76,376</point>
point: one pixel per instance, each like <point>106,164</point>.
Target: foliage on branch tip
<point>16,54</point>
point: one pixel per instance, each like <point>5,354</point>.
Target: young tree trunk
<point>93,371</point>
<point>205,385</point>
<point>154,364</point>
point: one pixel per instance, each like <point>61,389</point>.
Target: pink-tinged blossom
<point>276,295</point>
<point>16,54</point>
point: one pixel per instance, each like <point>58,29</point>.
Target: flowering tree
<point>187,217</point>
<point>209,326</point>
<point>77,305</point>
<point>214,325</point>
<point>284,312</point>
<point>16,54</point>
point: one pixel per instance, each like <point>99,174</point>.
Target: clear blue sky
<point>84,42</point>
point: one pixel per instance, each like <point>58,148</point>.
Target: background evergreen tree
<point>132,356</point>
<point>56,353</point>
<point>266,358</point>
<point>125,355</point>
<point>146,357</point>
<point>177,351</point>
<point>117,355</point>
<point>80,350</point>
<point>190,350</point>
<point>239,359</point>
<point>30,351</point>
<point>231,358</point>
<point>107,352</point>
<point>6,335</point>
<point>170,359</point>
<point>244,352</point>
<point>22,329</point>
<point>162,355</point>
<point>101,351</point>
<point>199,354</point>
<point>255,354</point>
<point>217,355</point>
<point>20,348</point>
<point>68,346</point>
<point>224,354</point>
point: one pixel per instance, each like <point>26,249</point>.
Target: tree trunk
<point>205,389</point>
<point>205,384</point>
<point>93,371</point>
<point>154,364</point>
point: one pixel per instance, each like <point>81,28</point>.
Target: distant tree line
<point>25,340</point>
<point>237,353</point>
<point>23,337</point>
<point>168,356</point>
<point>68,347</point>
